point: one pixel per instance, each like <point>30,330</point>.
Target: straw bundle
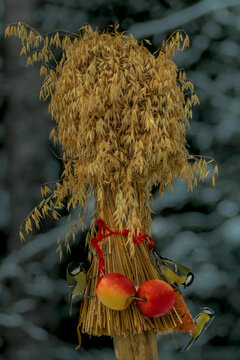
<point>97,319</point>
<point>121,115</point>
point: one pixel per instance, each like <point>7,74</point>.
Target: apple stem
<point>141,299</point>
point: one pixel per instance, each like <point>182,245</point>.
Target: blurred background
<point>200,229</point>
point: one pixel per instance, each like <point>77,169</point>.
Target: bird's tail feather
<point>187,346</point>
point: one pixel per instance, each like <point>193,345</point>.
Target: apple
<point>159,298</point>
<point>115,291</point>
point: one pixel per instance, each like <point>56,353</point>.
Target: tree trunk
<point>27,128</point>
<point>26,125</point>
<point>136,347</point>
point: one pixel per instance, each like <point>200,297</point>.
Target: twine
<point>100,236</point>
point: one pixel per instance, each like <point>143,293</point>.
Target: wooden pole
<point>136,347</point>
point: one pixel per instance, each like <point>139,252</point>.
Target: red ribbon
<point>100,236</point>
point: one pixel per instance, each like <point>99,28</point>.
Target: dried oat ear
<point>121,115</point>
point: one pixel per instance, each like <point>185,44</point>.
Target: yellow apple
<point>115,291</point>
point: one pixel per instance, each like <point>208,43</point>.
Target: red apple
<point>159,298</point>
<point>115,291</point>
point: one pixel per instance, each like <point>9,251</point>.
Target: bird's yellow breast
<point>81,284</point>
<point>200,323</point>
<point>171,276</point>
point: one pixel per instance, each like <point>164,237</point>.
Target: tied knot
<point>125,232</point>
<point>100,236</point>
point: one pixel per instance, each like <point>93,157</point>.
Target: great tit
<point>202,321</point>
<point>172,272</point>
<point>76,282</point>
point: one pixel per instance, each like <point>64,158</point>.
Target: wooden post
<point>136,347</point>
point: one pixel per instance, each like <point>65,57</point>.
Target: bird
<point>172,272</point>
<point>202,321</point>
<point>76,282</point>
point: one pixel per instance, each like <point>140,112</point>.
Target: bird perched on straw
<point>76,282</point>
<point>172,272</point>
<point>202,321</point>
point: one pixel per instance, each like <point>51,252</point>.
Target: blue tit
<point>202,321</point>
<point>172,272</point>
<point>76,282</point>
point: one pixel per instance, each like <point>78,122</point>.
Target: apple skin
<point>115,291</point>
<point>159,295</point>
